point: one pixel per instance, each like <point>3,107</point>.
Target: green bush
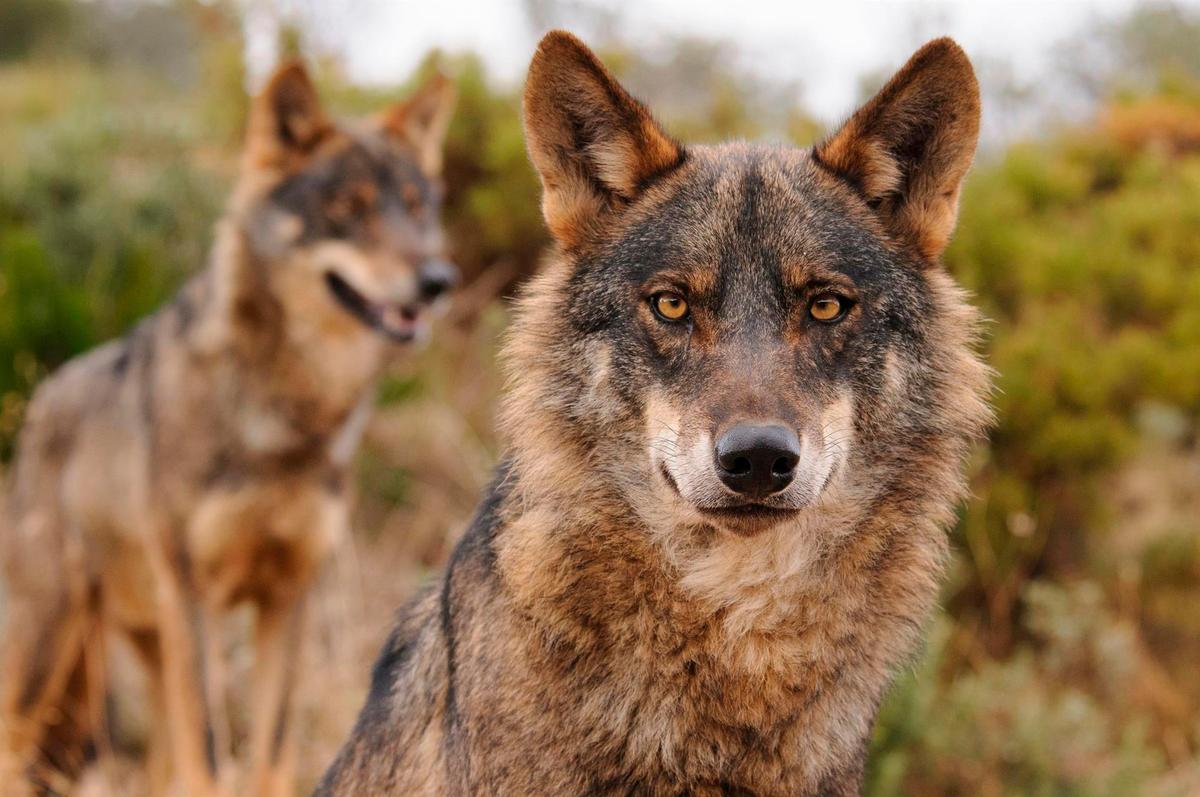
<point>1085,259</point>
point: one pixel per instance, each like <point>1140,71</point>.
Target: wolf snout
<point>757,460</point>
<point>436,277</point>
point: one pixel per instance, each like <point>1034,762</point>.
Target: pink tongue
<point>399,317</point>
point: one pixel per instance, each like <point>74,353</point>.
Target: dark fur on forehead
<point>777,222</point>
<point>346,192</point>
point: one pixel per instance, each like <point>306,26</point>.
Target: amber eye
<point>353,205</point>
<point>827,308</point>
<point>669,306</point>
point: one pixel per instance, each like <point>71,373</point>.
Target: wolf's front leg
<point>277,648</point>
<point>182,650</point>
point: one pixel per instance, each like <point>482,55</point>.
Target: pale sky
<point>826,45</point>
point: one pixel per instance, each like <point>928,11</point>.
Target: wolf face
<point>344,217</point>
<point>754,323</point>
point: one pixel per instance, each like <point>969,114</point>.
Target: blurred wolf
<point>201,461</point>
<point>743,389</point>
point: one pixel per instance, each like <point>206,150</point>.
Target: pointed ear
<point>423,120</point>
<point>907,150</point>
<point>286,120</point>
<point>594,146</point>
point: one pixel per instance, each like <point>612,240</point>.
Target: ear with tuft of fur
<point>286,120</point>
<point>423,120</point>
<point>594,146</point>
<point>907,150</point>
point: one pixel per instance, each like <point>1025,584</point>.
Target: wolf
<point>201,462</point>
<point>742,390</point>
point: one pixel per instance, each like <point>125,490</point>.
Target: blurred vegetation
<point>1065,660</point>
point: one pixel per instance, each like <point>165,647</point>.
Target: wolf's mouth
<point>747,520</point>
<point>748,512</point>
<point>398,322</point>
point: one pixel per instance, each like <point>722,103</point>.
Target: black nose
<point>757,461</point>
<point>434,278</point>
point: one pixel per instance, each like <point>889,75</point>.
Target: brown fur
<point>616,623</point>
<point>201,462</point>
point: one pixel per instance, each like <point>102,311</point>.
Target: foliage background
<point>1065,661</point>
